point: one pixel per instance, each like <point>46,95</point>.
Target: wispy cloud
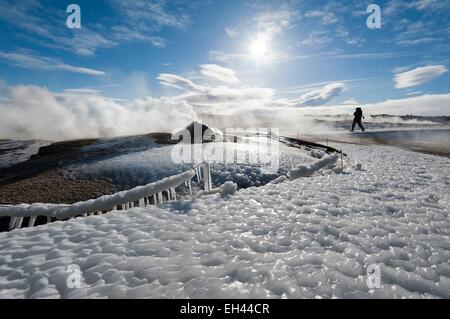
<point>208,95</point>
<point>150,13</point>
<point>314,86</point>
<point>324,16</point>
<point>271,23</point>
<point>418,76</point>
<point>283,57</point>
<point>178,82</point>
<point>29,61</point>
<point>138,21</point>
<point>232,33</point>
<point>320,96</point>
<point>219,73</point>
<point>242,96</point>
<point>317,38</point>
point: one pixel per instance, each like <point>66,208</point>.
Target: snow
<point>307,170</point>
<point>229,188</point>
<point>312,237</point>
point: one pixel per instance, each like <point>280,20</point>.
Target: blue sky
<point>294,53</point>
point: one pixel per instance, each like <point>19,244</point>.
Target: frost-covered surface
<point>308,170</point>
<point>13,152</point>
<point>154,163</point>
<point>310,237</point>
<point>106,202</point>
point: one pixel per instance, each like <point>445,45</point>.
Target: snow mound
<point>307,170</point>
<point>229,188</point>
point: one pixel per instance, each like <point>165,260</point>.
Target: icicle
<point>160,197</point>
<point>19,223</point>
<point>190,187</point>
<point>169,194</point>
<point>12,222</point>
<point>197,173</point>
<point>155,200</point>
<point>207,176</point>
<point>131,205</point>
<point>85,215</point>
<point>114,208</point>
<point>32,221</point>
<point>174,193</point>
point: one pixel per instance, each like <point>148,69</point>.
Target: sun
<point>258,49</point>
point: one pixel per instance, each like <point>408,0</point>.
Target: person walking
<point>358,116</point>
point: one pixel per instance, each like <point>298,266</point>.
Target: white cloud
<point>216,96</point>
<point>352,102</point>
<point>321,96</point>
<point>219,73</point>
<point>151,14</point>
<point>418,76</point>
<point>228,97</point>
<point>326,17</point>
<point>32,112</point>
<point>271,23</point>
<point>317,38</point>
<point>29,61</point>
<point>178,82</point>
<point>232,33</point>
<point>242,97</point>
<point>82,91</point>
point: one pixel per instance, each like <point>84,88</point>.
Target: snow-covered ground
<point>310,237</point>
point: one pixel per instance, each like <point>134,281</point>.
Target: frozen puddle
<point>155,163</point>
<point>306,238</point>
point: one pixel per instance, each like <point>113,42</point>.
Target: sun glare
<point>258,49</point>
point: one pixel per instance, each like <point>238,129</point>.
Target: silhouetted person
<point>358,118</point>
